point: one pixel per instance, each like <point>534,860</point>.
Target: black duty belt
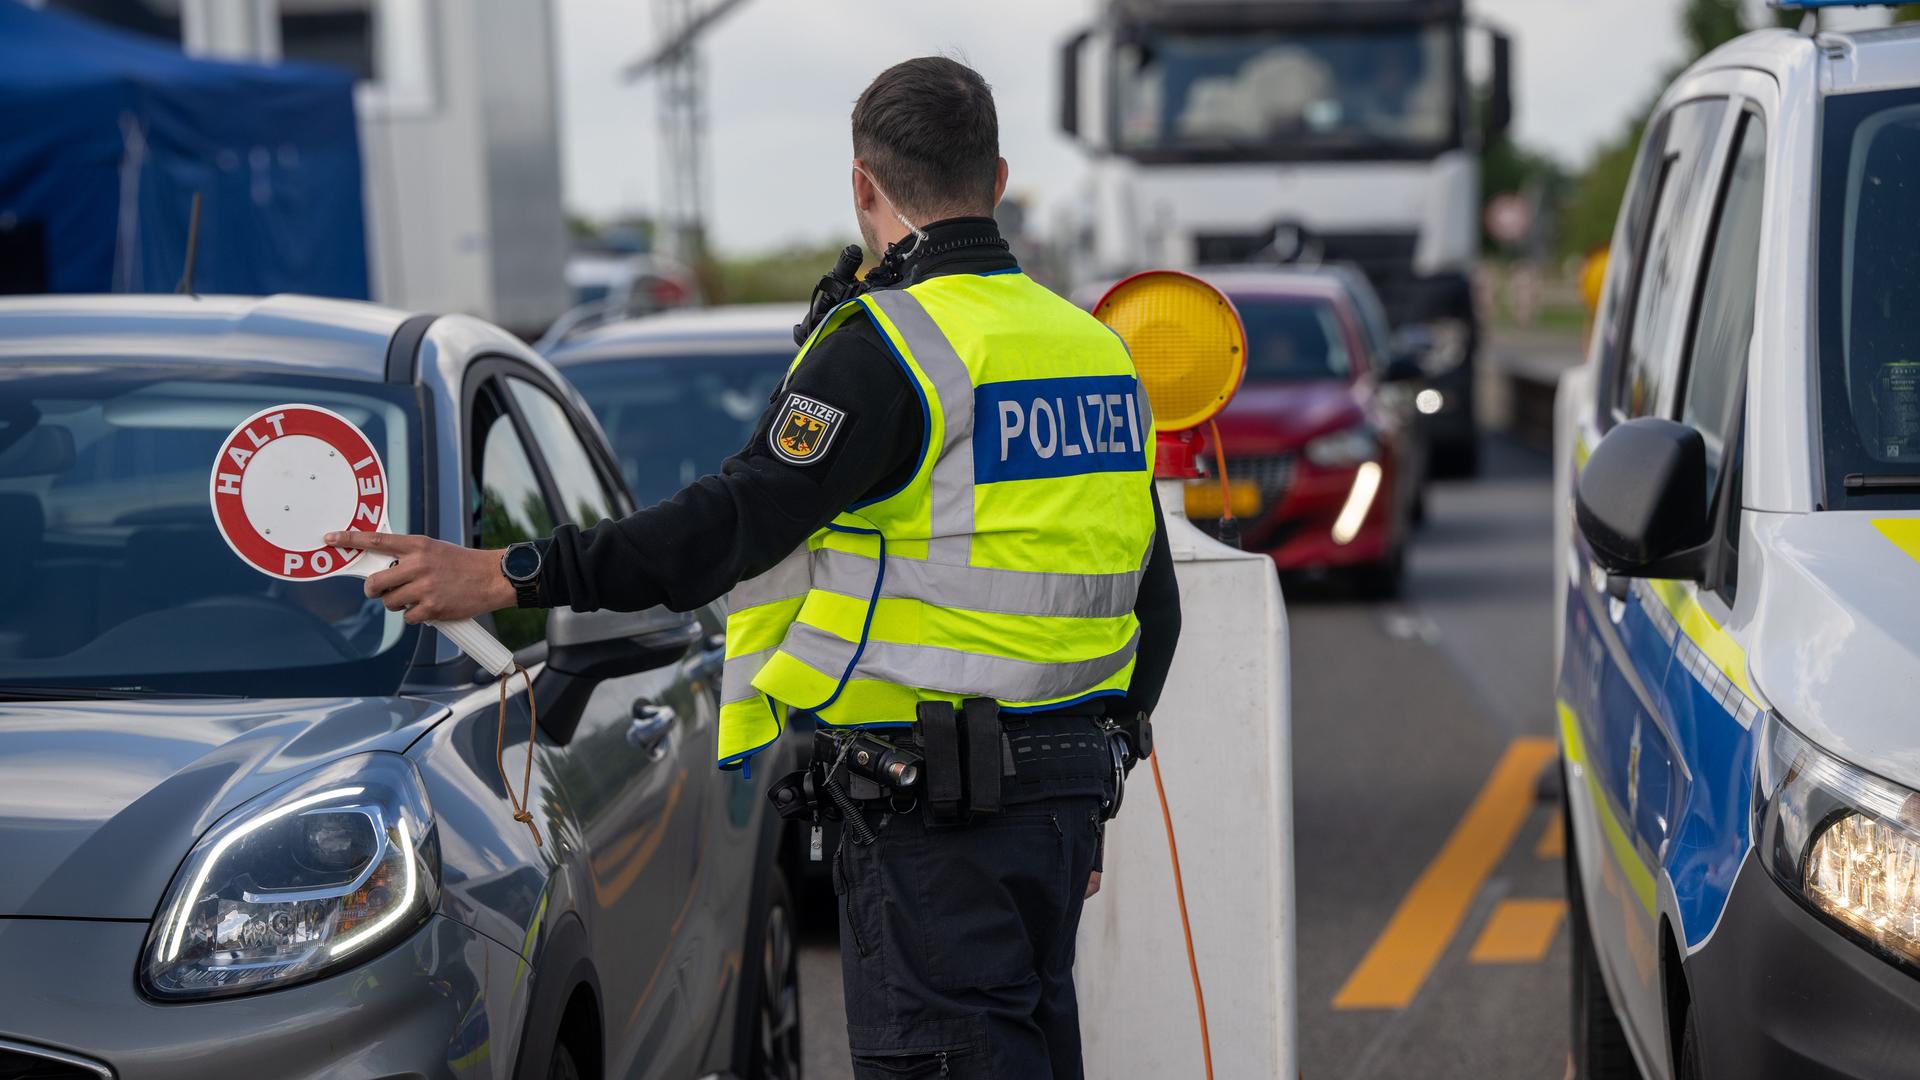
<point>960,762</point>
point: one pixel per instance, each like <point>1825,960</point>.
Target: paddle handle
<point>474,640</point>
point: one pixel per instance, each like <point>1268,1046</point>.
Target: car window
<point>1647,366</point>
<point>583,498</point>
<point>511,509</point>
<point>1868,289</point>
<point>1293,339</point>
<point>673,419</point>
<point>113,570</point>
<point>1629,242</point>
<point>1373,321</point>
<point>1723,324</point>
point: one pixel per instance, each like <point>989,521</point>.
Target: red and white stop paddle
<point>291,474</point>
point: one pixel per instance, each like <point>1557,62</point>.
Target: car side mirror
<point>609,644</point>
<point>585,648</point>
<point>1641,501</point>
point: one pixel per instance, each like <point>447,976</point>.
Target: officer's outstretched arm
<point>846,420</point>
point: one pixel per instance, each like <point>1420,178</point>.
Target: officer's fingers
<point>364,541</point>
<point>386,581</point>
<point>404,597</point>
<point>1093,883</point>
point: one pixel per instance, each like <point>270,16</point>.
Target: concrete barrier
<point>1224,742</point>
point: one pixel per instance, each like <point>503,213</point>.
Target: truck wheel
<point>776,1036</point>
<point>1600,1050</point>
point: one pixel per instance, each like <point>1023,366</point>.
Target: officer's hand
<point>1093,884</point>
<point>431,580</point>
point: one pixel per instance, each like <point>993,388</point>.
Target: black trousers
<point>957,942</point>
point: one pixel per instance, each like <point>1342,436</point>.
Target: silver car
<point>257,828</point>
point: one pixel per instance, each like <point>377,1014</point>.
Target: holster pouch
<point>1138,729</point>
<point>980,730</point>
<point>964,756</point>
<point>939,730</point>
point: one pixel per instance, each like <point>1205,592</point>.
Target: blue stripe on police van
<point>1036,428</point>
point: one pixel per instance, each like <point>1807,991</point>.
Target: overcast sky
<point>782,76</point>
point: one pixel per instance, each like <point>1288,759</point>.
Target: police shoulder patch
<point>803,429</point>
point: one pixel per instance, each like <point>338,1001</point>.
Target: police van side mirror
<point>1641,502</point>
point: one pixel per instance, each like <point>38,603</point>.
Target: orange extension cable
<point>1186,925</point>
<point>1220,461</point>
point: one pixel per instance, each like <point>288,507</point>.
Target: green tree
<point>1708,24</point>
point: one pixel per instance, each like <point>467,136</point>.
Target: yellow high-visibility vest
<point>1006,567</point>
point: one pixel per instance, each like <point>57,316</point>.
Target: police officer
<point>941,540</point>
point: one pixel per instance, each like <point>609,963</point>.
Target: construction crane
<point>681,101</point>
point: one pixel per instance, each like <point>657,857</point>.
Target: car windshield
<point>1292,93</point>
<point>1870,299</point>
<point>673,419</point>
<point>115,574</point>
<point>1292,339</point>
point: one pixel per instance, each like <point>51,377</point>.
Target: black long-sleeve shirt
<point>740,522</point>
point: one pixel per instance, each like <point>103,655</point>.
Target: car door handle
<point>651,723</point>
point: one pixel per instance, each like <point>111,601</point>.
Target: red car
<point>1324,454</point>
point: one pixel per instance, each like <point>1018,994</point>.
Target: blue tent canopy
<point>105,138</point>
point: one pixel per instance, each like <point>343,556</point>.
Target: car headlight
<point>1346,447</point>
<point>322,871</point>
<point>1448,341</point>
<point>1844,841</point>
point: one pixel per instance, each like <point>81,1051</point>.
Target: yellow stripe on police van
<point>1681,601</point>
<point>1903,533</point>
<point>1639,874</point>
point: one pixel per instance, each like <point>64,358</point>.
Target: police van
<point>1738,579</point>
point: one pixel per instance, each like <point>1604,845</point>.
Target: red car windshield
<point>1293,339</point>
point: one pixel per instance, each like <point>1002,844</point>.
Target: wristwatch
<point>521,566</point>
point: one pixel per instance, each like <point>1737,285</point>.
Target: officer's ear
<point>865,195</point>
<point>999,180</point>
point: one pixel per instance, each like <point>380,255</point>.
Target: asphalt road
<point>1431,918</point>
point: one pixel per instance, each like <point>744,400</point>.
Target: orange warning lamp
<point>1190,350</point>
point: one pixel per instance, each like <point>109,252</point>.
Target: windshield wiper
<point>85,693</point>
<point>1870,482</point>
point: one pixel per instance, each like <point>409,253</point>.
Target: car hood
<point>100,800</point>
<point>1276,417</point>
<point>1837,644</point>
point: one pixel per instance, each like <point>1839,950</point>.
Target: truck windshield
<point>1293,94</point>
<point>113,574</point>
<point>674,419</point>
<point>1869,285</point>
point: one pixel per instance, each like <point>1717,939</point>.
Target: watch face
<point>522,562</point>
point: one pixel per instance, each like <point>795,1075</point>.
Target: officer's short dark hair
<point>927,131</point>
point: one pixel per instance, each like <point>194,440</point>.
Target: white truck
<point>1250,131</point>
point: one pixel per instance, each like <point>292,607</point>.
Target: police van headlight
<point>1344,448</point>
<point>321,872</point>
<point>1844,841</point>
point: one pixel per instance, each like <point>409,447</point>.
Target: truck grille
<point>18,1062</point>
<point>1385,257</point>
